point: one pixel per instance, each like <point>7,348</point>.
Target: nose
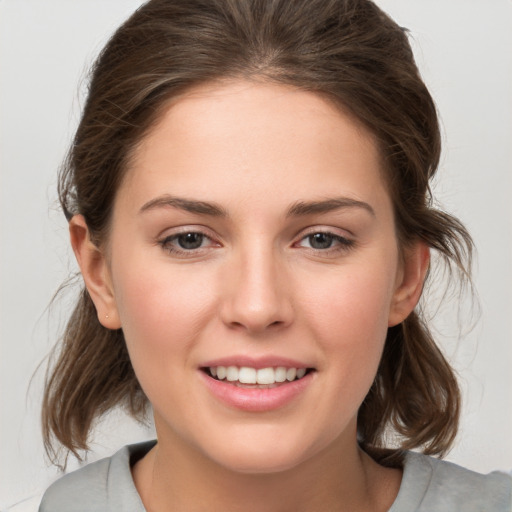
<point>257,295</point>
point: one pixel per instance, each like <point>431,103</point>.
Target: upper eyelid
<point>180,230</point>
<point>330,230</point>
<point>174,236</point>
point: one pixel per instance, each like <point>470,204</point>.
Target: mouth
<point>257,385</point>
<point>256,378</point>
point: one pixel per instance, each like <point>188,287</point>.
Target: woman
<point>248,201</point>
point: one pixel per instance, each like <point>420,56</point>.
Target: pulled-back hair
<point>346,50</point>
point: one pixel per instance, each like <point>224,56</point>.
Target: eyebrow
<point>302,208</point>
<point>298,209</point>
<point>189,205</point>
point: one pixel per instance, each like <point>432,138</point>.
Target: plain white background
<point>463,49</point>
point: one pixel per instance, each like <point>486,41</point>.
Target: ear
<point>95,272</point>
<point>410,280</point>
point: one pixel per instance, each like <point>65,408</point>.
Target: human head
<point>346,50</point>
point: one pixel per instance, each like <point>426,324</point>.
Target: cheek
<point>162,311</point>
<point>349,304</point>
<point>348,314</point>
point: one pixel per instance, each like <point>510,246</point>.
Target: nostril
<point>254,327</point>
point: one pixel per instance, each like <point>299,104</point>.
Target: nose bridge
<point>257,297</point>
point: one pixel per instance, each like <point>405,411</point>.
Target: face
<point>253,267</point>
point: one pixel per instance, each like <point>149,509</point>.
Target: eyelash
<point>166,243</point>
<point>341,244</point>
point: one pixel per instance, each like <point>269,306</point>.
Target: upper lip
<point>256,362</point>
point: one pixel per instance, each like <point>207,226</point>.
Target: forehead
<point>253,137</point>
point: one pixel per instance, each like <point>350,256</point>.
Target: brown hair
<point>346,50</point>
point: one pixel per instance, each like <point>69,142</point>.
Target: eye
<point>320,240</point>
<point>186,242</point>
<point>325,241</point>
<point>189,241</point>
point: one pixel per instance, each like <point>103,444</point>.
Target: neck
<point>340,478</point>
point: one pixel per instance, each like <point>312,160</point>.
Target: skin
<point>256,286</point>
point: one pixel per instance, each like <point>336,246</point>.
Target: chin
<point>258,459</point>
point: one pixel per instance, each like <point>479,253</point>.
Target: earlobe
<point>95,272</point>
<point>412,275</point>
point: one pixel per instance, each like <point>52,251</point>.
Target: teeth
<point>291,373</point>
<point>280,374</point>
<point>266,376</point>
<point>247,375</point>
<point>232,373</point>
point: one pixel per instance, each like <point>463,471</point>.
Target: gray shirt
<point>428,485</point>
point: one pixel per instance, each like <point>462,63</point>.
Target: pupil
<point>190,240</point>
<point>320,240</point>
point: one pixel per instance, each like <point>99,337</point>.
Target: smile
<point>257,389</point>
<point>256,376</point>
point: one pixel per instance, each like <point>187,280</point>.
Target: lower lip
<point>256,399</point>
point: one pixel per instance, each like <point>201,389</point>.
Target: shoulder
<point>434,485</point>
<point>83,489</point>
<point>102,486</point>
